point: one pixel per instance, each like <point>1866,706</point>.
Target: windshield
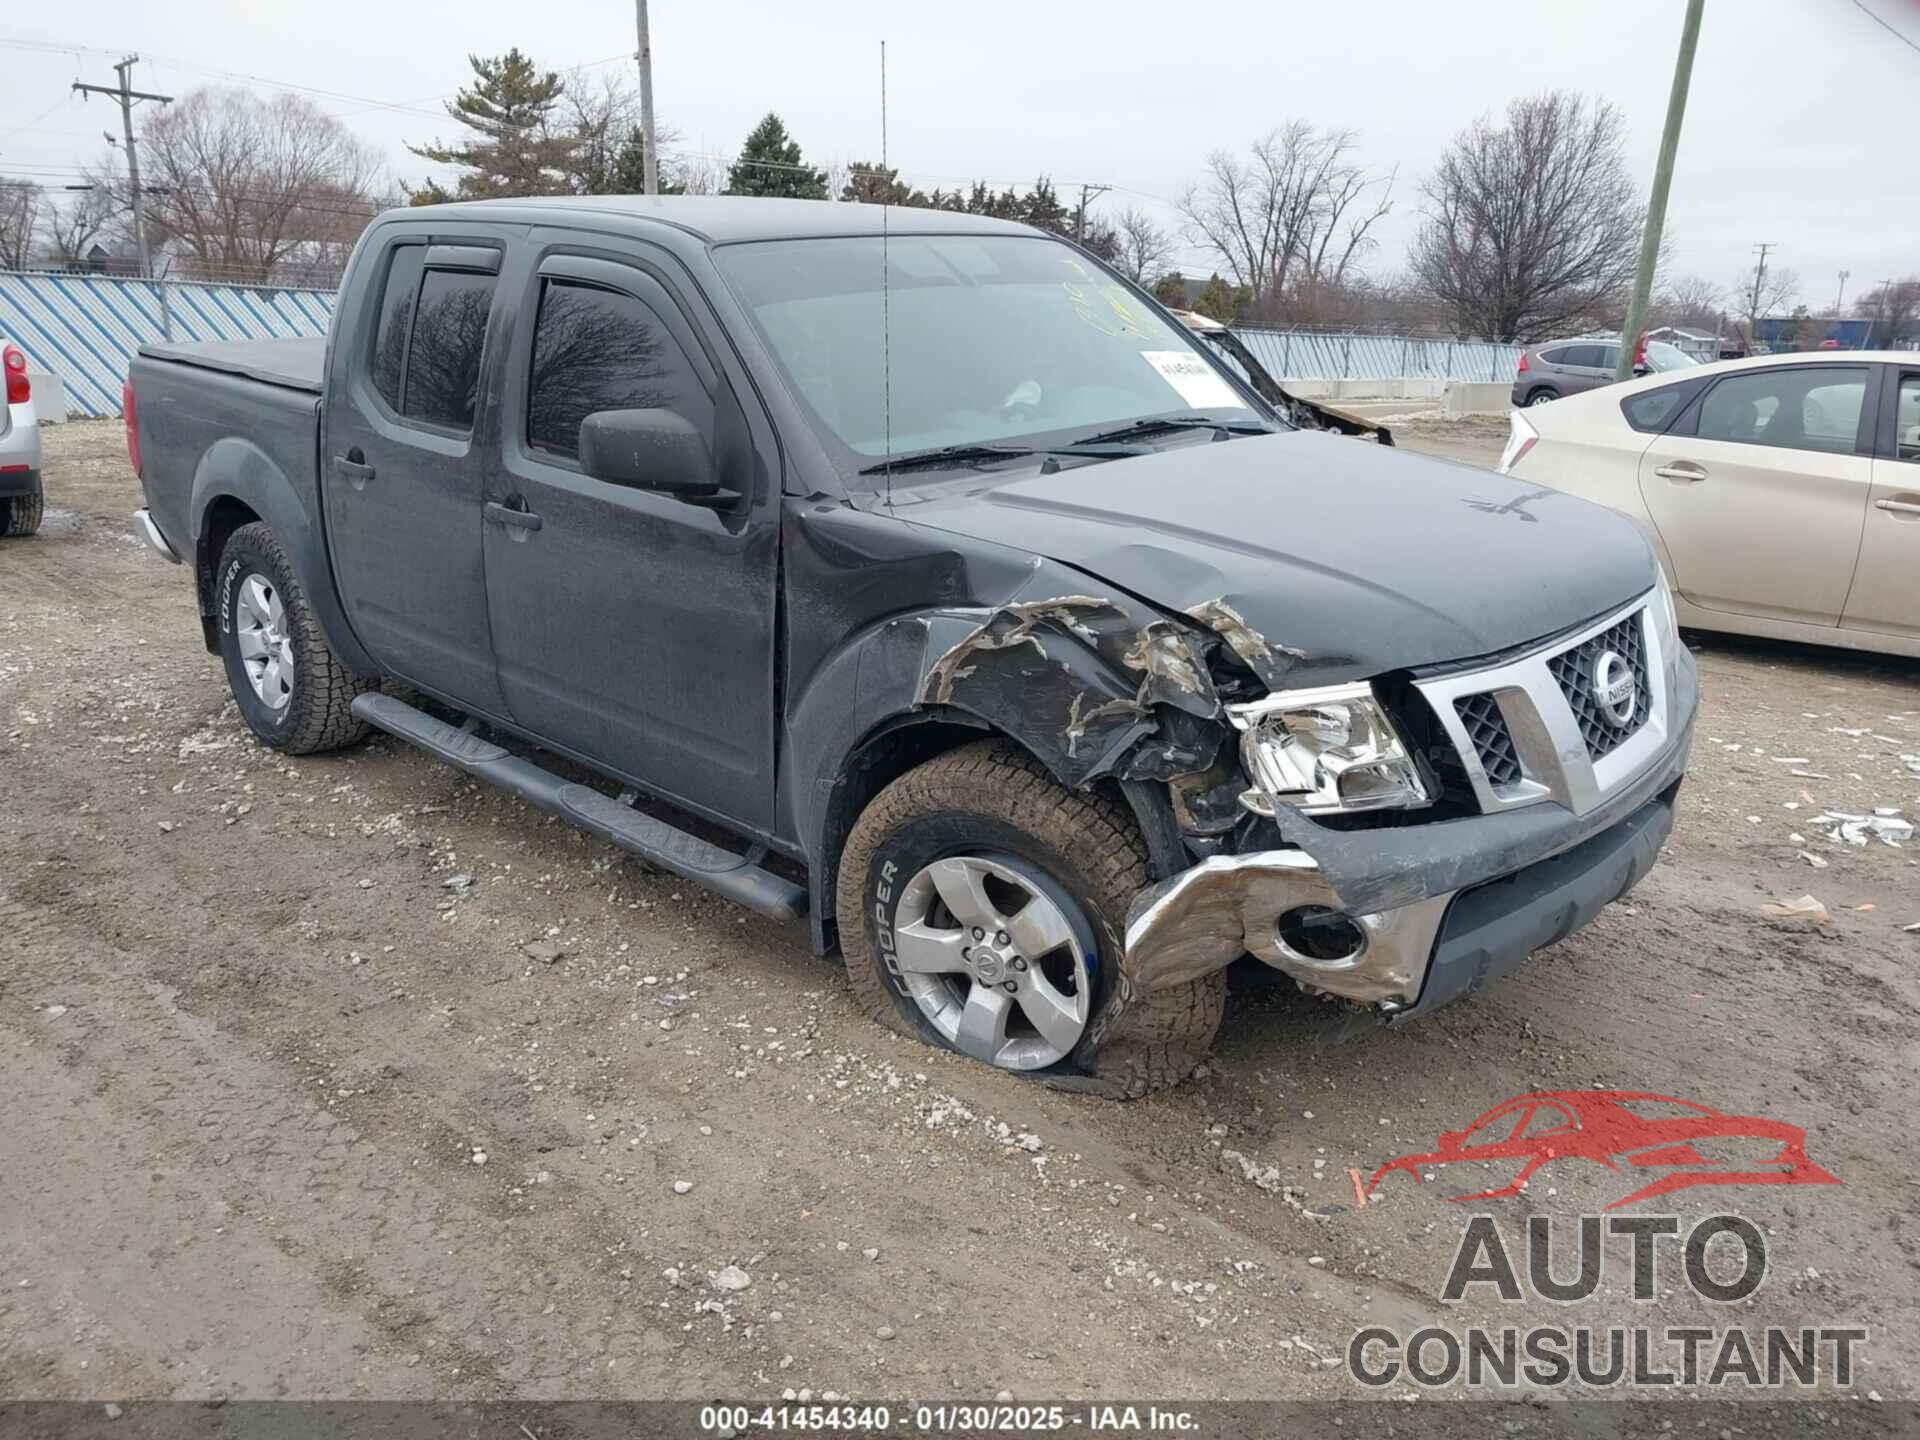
<point>1662,356</point>
<point>994,339</point>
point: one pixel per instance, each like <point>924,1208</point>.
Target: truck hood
<point>1352,559</point>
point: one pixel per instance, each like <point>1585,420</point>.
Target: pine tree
<point>872,185</point>
<point>770,164</point>
<point>1217,300</point>
<point>516,150</point>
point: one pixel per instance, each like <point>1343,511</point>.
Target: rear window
<point>1653,410</point>
<point>427,343</point>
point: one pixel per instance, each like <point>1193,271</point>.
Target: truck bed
<point>294,364</point>
<point>252,398</point>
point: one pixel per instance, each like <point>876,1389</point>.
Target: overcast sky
<point>1801,128</point>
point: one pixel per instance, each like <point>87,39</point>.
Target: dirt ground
<point>293,1112</point>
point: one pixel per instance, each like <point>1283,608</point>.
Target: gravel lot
<point>348,1077</point>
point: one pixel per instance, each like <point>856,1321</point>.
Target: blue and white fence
<point>85,328</point>
<point>1320,355</point>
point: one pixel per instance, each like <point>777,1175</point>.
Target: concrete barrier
<point>49,396</point>
<point>1467,397</point>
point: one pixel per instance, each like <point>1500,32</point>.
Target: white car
<point>22,502</point>
<point>1782,492</point>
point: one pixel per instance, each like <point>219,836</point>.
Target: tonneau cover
<point>294,364</point>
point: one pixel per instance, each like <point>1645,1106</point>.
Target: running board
<point>735,876</point>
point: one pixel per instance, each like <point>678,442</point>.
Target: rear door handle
<point>1681,471</point>
<point>354,471</point>
<point>515,519</point>
<point>1903,507</point>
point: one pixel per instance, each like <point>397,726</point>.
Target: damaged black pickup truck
<point>914,574</point>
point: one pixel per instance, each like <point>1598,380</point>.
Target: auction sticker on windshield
<point>1198,383</point>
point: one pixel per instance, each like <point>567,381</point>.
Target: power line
<point>1904,40</point>
<point>127,97</point>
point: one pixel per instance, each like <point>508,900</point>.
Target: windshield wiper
<point>1139,429</point>
<point>1097,448</point>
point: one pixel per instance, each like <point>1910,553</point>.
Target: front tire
<point>1541,397</point>
<point>292,690</point>
<point>982,909</point>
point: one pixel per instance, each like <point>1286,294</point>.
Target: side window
<point>1586,356</point>
<point>396,320</point>
<point>596,349</point>
<point>443,360</point>
<point>1811,407</point>
<point>1555,356</point>
<point>1609,357</point>
<point>1653,410</point>
<point>1906,419</point>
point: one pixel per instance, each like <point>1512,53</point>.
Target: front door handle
<point>1683,471</point>
<point>352,468</point>
<point>1900,507</point>
<point>514,519</point>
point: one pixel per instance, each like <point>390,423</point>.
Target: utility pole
<point>650,161</point>
<point>1657,202</point>
<point>1841,298</point>
<point>1753,300</point>
<point>127,97</point>
<point>1088,194</point>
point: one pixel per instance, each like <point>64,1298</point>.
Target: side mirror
<point>650,450</point>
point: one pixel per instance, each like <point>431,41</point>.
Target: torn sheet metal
<point>1268,659</point>
<point>1094,685</point>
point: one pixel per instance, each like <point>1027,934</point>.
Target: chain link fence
<point>1324,355</point>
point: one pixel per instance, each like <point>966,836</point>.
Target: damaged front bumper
<point>1433,910</point>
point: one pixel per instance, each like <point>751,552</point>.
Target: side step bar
<point>735,876</point>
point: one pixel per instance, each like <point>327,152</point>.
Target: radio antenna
<point>886,295</point>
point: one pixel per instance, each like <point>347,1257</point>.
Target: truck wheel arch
<point>909,740</point>
<point>236,483</point>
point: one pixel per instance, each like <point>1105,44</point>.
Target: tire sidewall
<point>914,844</point>
<point>241,558</point>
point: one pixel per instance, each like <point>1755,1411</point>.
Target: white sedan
<point>1782,492</point>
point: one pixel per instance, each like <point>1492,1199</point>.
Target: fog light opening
<point>1318,935</point>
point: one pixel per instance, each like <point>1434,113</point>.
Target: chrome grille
<point>1487,728</point>
<point>1573,671</point>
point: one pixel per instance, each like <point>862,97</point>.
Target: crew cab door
<point>1886,586</point>
<point>1760,491</point>
<point>401,468</point>
<point>630,627</point>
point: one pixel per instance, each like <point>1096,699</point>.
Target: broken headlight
<point>1324,751</point>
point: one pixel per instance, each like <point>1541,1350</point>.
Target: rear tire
<point>292,690</point>
<point>991,806</point>
<point>22,515</point>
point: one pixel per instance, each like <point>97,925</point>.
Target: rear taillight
<point>19,391</point>
<point>1521,369</point>
<point>1521,438</point>
<point>131,415</point>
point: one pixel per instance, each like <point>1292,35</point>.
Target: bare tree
<point>600,115</point>
<point>1296,208</point>
<point>21,205</point>
<point>1532,222</point>
<point>1692,302</point>
<point>246,187</point>
<point>1759,294</point>
<point>1894,308</point>
<point>95,212</point>
<point>1141,247</point>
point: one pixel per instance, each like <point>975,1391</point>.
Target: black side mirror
<point>650,450</point>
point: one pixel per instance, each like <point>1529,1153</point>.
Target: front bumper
<point>1444,907</point>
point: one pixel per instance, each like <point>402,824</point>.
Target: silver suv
<point>1566,367</point>
<point>21,500</point>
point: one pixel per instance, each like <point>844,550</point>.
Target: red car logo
<point>1617,1128</point>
